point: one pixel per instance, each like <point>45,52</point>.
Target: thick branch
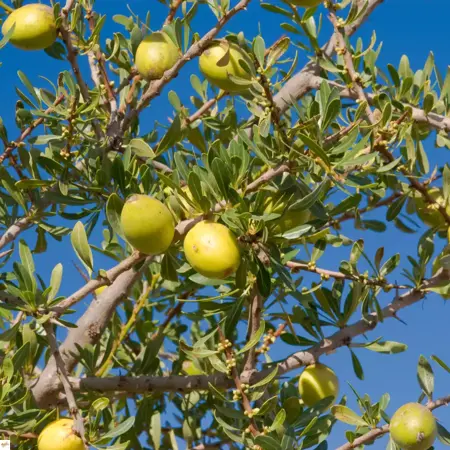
<point>200,382</point>
<point>88,331</point>
<point>14,230</point>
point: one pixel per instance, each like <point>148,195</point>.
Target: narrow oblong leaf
<point>80,244</point>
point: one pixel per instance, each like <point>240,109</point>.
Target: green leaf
<point>80,244</point>
<point>266,380</point>
<point>55,281</point>
<point>346,415</point>
<point>441,363</point>
<point>259,49</point>
<point>443,434</point>
<point>425,376</point>
<point>267,442</point>
<point>25,256</point>
<point>140,148</point>
<point>357,368</point>
<point>114,207</point>
<point>254,340</point>
<point>315,148</point>
<point>100,404</point>
<point>120,429</point>
<point>387,347</point>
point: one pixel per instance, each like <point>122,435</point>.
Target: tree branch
<point>377,432</point>
<point>89,329</point>
<point>64,377</point>
<point>201,382</point>
<point>156,86</point>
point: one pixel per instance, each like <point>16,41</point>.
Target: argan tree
<point>196,240</point>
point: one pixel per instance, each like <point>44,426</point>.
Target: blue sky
<point>412,27</point>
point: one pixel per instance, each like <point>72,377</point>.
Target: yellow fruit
<point>156,54</point>
<point>427,213</point>
<point>316,383</point>
<point>59,435</point>
<point>212,250</point>
<point>147,224</point>
<point>306,3</point>
<point>413,427</point>
<point>191,369</point>
<point>277,203</point>
<point>217,68</point>
<point>35,27</point>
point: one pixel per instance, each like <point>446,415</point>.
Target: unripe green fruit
<point>35,27</point>
<point>293,409</point>
<point>212,250</point>
<point>218,69</point>
<point>179,206</point>
<point>59,435</point>
<point>429,216</point>
<point>306,3</point>
<point>413,427</point>
<point>277,203</point>
<point>147,224</point>
<point>317,382</point>
<point>156,54</point>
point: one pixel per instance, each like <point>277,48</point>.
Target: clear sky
<point>412,27</point>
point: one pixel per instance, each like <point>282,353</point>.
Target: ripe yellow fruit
<point>35,27</point>
<point>290,219</point>
<point>217,68</point>
<point>427,213</point>
<point>59,435</point>
<point>147,224</point>
<point>317,382</point>
<point>156,54</point>
<point>413,427</point>
<point>212,250</point>
<point>306,3</point>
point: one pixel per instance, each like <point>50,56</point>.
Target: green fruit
<point>179,205</point>
<point>59,435</point>
<point>147,224</point>
<point>317,382</point>
<point>427,213</point>
<point>212,250</point>
<point>306,3</point>
<point>277,203</point>
<point>35,27</point>
<point>413,427</point>
<point>156,54</point>
<point>217,67</point>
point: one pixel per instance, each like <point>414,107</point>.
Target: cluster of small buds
<point>222,346</point>
<point>236,395</point>
<point>358,78</point>
<point>245,388</point>
<point>266,429</point>
<point>340,50</point>
<point>382,143</point>
<point>340,22</point>
<point>64,153</point>
<point>388,287</point>
<point>312,265</point>
<point>247,430</point>
<point>325,276</point>
<point>231,363</point>
<point>251,413</point>
<point>268,340</point>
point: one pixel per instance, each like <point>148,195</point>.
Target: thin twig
<point>377,432</point>
<point>64,377</point>
<point>173,10</point>
<point>25,133</point>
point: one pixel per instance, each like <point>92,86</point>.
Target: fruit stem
<point>7,8</point>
